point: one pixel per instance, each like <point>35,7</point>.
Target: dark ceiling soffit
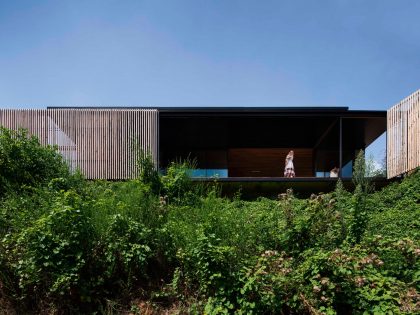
<point>344,115</point>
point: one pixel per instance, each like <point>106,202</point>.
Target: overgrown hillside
<point>160,244</point>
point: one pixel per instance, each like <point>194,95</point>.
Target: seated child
<point>334,172</point>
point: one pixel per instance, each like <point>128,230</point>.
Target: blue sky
<point>361,54</point>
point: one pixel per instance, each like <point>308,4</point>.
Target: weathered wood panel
<point>403,136</point>
<point>102,143</point>
<point>34,120</point>
<point>268,162</point>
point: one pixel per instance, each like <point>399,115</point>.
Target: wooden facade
<point>34,120</point>
<point>102,143</point>
<point>237,142</point>
<point>403,136</point>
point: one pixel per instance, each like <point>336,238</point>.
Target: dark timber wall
<point>268,162</point>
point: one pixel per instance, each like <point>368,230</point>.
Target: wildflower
<point>411,293</point>
<point>269,253</point>
<point>286,270</point>
<point>162,201</point>
<point>379,262</point>
<point>316,289</point>
<point>325,281</point>
<point>360,281</point>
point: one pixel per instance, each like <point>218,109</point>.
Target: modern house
<point>253,142</point>
<point>240,145</point>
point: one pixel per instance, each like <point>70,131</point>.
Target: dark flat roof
<point>252,109</point>
<point>169,111</point>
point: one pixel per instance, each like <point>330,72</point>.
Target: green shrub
<point>48,256</point>
<point>148,174</point>
<point>395,210</point>
<point>207,265</point>
<point>265,287</point>
<point>24,162</point>
<point>124,251</point>
<point>317,222</point>
<point>68,245</point>
<point>177,182</point>
<point>352,280</point>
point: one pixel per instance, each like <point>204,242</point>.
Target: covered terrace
<point>249,145</point>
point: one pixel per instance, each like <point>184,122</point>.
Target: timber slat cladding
<point>263,162</point>
<point>34,120</point>
<point>102,143</point>
<point>403,136</point>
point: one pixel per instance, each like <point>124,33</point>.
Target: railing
<point>403,136</point>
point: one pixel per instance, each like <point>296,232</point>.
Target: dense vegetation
<point>160,244</point>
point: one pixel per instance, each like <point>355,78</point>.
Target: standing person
<point>289,169</point>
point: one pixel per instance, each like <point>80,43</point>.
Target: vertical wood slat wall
<point>403,136</point>
<point>34,120</point>
<point>102,143</point>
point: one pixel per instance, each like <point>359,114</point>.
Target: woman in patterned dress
<point>289,169</point>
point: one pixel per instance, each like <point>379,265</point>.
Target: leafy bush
<point>206,266</point>
<point>124,251</point>
<point>266,286</point>
<point>24,162</point>
<point>177,182</point>
<point>72,246</point>
<point>395,210</point>
<point>349,280</point>
<point>148,174</point>
<point>49,254</point>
